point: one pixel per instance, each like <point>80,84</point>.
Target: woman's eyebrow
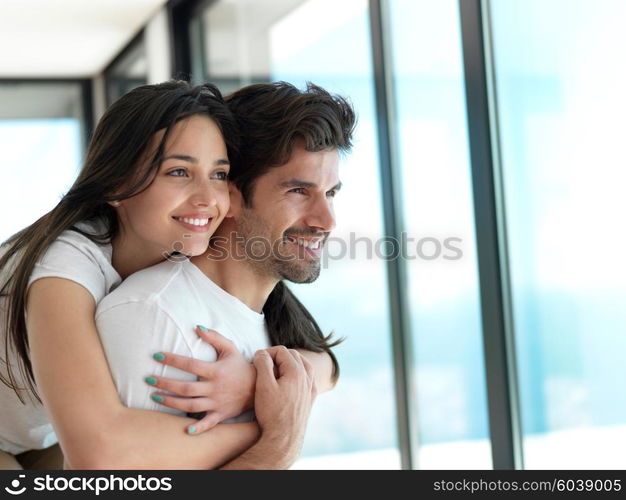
<point>187,158</point>
<point>193,159</point>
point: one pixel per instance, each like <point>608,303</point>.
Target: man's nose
<point>322,214</point>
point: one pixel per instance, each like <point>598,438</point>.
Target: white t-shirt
<point>74,257</point>
<point>157,310</point>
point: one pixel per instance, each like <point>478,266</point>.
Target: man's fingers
<point>310,375</point>
<point>285,360</point>
<point>307,366</point>
<point>221,344</point>
<point>188,405</point>
<point>264,365</point>
<point>178,387</point>
<point>204,424</point>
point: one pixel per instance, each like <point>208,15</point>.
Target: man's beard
<point>277,264</point>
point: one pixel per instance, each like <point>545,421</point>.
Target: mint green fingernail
<point>159,356</point>
<point>151,380</point>
<point>157,398</point>
<point>204,329</point>
<point>191,430</point>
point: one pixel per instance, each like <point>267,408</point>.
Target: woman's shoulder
<point>84,238</point>
<point>78,254</point>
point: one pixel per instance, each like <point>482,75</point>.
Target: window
<point>561,105</point>
<point>327,42</point>
<point>42,128</point>
<point>428,80</point>
<point>128,70</point>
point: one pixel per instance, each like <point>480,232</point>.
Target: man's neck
<point>237,277</point>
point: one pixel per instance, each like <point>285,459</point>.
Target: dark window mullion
<point>495,292</point>
<point>393,227</point>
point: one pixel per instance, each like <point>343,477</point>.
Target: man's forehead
<point>320,167</point>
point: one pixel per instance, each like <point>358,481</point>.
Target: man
<point>282,187</point>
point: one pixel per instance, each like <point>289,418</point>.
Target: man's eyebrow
<point>296,183</point>
<point>193,159</point>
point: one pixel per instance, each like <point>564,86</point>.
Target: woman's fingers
<point>184,363</point>
<point>188,405</point>
<point>222,345</point>
<point>180,388</point>
<point>211,419</point>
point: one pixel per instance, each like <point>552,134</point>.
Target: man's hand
<point>285,391</point>
<point>224,389</point>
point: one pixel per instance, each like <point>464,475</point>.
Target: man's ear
<point>236,201</point>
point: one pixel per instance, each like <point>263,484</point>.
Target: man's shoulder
<point>146,285</point>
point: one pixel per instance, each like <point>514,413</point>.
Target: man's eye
<point>332,193</point>
<point>177,172</point>
<point>220,176</point>
<point>297,190</point>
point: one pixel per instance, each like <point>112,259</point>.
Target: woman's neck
<point>127,258</point>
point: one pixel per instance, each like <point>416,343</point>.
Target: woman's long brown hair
<point>113,170</point>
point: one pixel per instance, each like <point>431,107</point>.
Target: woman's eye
<point>177,172</point>
<point>220,176</point>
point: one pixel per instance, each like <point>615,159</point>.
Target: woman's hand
<point>224,389</point>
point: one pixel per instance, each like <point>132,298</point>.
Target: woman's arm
<point>225,387</point>
<point>323,369</point>
<point>94,428</point>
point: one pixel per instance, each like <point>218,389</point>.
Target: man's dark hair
<point>272,118</point>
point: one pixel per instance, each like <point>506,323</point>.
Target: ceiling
<point>67,38</point>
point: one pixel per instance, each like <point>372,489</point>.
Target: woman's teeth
<point>193,222</point>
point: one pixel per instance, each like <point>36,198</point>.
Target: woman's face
<point>188,198</point>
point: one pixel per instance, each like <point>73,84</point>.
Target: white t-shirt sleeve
<point>75,257</point>
<point>131,332</point>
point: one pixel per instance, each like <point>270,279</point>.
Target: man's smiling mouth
<point>310,244</point>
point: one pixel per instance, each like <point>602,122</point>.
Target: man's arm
<point>94,428</point>
<point>285,391</point>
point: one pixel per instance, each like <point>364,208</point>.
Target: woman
<point>153,183</point>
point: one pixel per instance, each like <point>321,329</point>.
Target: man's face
<point>292,210</point>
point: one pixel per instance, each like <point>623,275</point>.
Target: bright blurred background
<point>559,106</point>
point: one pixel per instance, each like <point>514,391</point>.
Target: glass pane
<point>41,130</point>
<point>354,426</point>
<point>561,103</point>
<point>443,278</point>
<point>130,70</point>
